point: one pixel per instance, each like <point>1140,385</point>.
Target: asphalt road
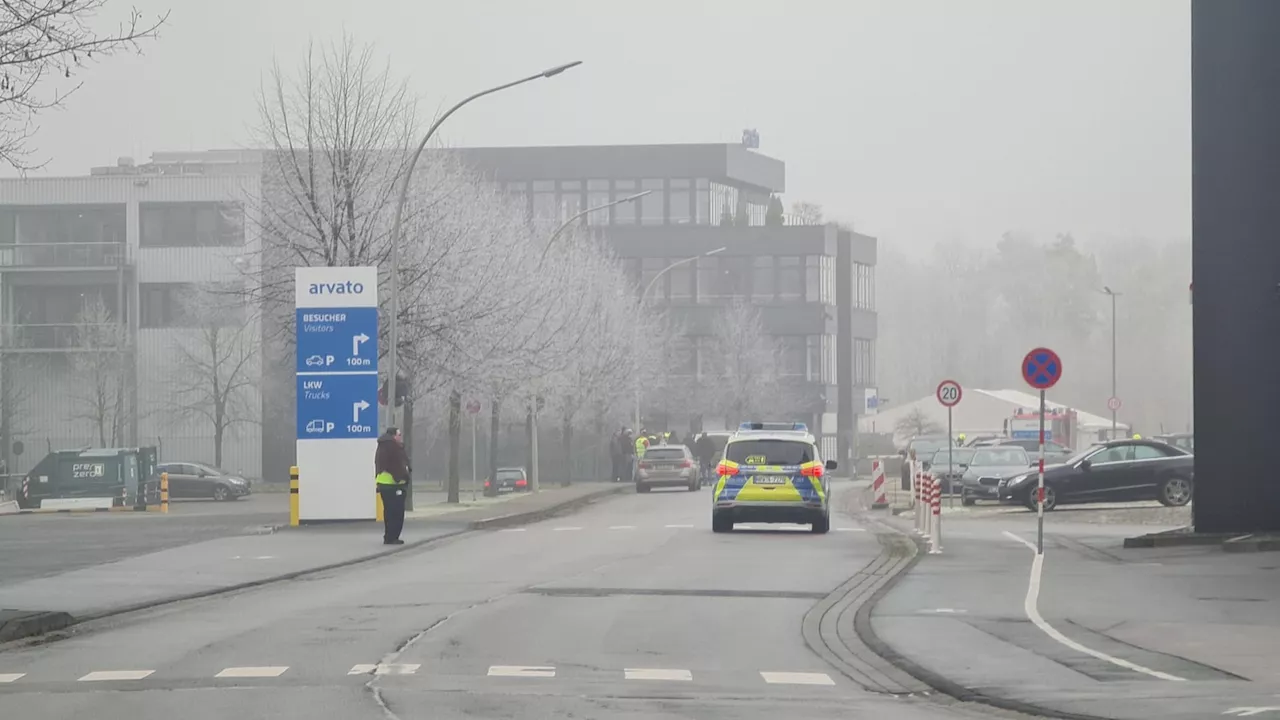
<point>39,545</point>
<point>630,608</point>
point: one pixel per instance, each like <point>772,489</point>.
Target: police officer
<point>391,465</point>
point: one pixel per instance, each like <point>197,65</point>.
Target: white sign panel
<point>871,401</point>
<point>337,391</point>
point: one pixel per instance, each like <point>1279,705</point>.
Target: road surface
<point>630,608</point>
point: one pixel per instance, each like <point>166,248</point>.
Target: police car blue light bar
<point>775,426</point>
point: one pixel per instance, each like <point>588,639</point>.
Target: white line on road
<point>679,526</point>
<point>529,671</point>
<point>1029,606</point>
<point>384,669</point>
<point>253,672</point>
<point>561,529</point>
<point>622,527</point>
<point>851,529</point>
<point>793,678</point>
<point>11,677</point>
<point>657,674</point>
<point>513,529</point>
<point>108,675</point>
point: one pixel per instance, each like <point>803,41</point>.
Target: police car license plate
<point>769,479</point>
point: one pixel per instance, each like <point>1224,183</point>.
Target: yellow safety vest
<point>384,478</point>
<point>642,444</point>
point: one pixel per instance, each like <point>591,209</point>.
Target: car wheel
<point>966,501</point>
<point>694,486</point>
<point>1050,499</point>
<point>1174,492</point>
<point>720,523</point>
<point>821,525</point>
<point>221,493</point>
<point>642,488</point>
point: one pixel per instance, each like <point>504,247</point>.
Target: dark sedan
<point>1116,471</point>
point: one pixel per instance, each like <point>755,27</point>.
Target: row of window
<point>800,357</point>
<point>673,201</point>
<point>162,305</point>
<point>762,278</point>
<point>864,286</point>
<point>188,224</point>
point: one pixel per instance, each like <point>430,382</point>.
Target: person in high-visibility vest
<point>642,443</point>
<point>391,474</point>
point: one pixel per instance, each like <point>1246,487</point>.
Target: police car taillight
<point>727,467</point>
<point>813,469</point>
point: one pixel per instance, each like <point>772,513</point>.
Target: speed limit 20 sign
<point>949,393</point>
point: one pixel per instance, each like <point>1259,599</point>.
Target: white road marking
<point>11,677</point>
<point>947,611</point>
<point>265,557</point>
<point>679,526</point>
<point>384,669</point>
<point>851,529</point>
<point>513,529</point>
<point>1029,606</point>
<point>1250,711</point>
<point>560,529</point>
<point>657,674</point>
<point>622,527</point>
<point>529,671</point>
<point>793,678</point>
<point>108,675</point>
<point>253,672</point>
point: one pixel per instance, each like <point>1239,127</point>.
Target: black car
<point>509,479</point>
<point>1116,471</point>
<point>197,480</point>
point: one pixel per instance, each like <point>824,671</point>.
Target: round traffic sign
<point>1113,403</point>
<point>949,393</point>
<point>473,406</point>
<point>1042,368</point>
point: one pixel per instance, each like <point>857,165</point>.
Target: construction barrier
<point>935,524</point>
<point>293,496</point>
<point>878,499</point>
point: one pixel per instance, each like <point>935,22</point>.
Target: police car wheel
<point>721,524</point>
<point>821,525</point>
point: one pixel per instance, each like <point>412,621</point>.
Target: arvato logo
<point>346,288</point>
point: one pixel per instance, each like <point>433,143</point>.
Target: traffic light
<point>402,391</point>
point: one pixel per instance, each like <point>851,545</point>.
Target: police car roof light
<point>775,426</point>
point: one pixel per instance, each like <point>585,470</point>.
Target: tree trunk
<point>528,438</point>
<point>218,431</point>
<point>495,416</point>
<point>455,442</point>
<point>567,430</point>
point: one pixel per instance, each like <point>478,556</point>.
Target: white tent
<point>979,411</point>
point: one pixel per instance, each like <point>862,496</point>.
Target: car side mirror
<point>902,453</point>
<point>964,466</point>
<point>1086,464</point>
<point>831,465</point>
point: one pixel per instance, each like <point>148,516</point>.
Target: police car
<point>772,473</point>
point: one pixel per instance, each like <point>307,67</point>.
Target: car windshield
<point>925,448</point>
<point>665,453</point>
<point>510,474</point>
<point>1000,456</point>
<point>769,452</point>
<point>956,456</point>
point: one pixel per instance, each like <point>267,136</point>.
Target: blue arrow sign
<point>335,407</point>
<point>337,340</point>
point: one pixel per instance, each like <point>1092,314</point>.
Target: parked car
<point>957,459</point>
<point>1054,453</point>
<point>988,466</point>
<point>1186,441</point>
<point>196,480</point>
<point>1120,470</point>
<point>508,479</point>
<point>667,466</point>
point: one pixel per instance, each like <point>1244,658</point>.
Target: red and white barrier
<point>935,524</point>
<point>878,499</point>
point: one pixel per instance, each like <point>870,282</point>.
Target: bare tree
<point>746,364</point>
<point>215,367</point>
<point>42,44</point>
<point>806,213</point>
<point>916,423</point>
<point>100,377</point>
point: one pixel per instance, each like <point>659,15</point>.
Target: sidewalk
<point>1106,632</point>
<point>241,561</point>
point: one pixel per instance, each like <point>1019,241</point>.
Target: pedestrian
<point>628,448</point>
<point>391,468</point>
<point>615,456</point>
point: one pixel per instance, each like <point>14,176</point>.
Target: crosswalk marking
<point>529,671</point>
<point>108,675</point>
<point>10,677</point>
<point>384,669</point>
<point>657,674</point>
<point>794,678</point>
<point>253,672</point>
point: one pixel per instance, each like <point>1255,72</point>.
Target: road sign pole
<point>951,495</point>
<point>473,457</point>
<point>1040,486</point>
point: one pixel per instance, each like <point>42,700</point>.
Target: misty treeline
<point>971,312</point>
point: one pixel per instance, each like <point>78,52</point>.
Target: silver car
<point>667,466</point>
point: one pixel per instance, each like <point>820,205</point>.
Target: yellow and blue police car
<point>772,473</point>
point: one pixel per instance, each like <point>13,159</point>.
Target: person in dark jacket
<point>391,469</point>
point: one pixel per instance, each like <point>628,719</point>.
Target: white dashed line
<point>253,672</point>
<point>11,677</point>
<point>657,674</point>
<point>792,678</point>
<point>384,669</point>
<point>109,675</point>
<point>513,529</point>
<point>622,527</point>
<point>562,529</point>
<point>851,529</point>
<point>528,671</point>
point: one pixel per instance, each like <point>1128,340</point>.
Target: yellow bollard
<point>293,496</point>
<point>378,496</point>
<point>164,492</point>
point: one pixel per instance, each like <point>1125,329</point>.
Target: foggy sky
<point>917,120</point>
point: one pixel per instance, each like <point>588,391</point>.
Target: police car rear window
<point>769,452</point>
<point>664,454</point>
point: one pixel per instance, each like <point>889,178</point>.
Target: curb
<point>34,623</point>
<point>516,518</point>
<point>866,632</point>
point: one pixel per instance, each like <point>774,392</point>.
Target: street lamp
<point>645,293</point>
<point>394,330</point>
<point>1113,294</point>
<point>565,225</point>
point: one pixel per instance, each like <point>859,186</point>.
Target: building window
<point>790,278</point>
<point>679,199</point>
<point>65,224</point>
<point>827,290</point>
<point>624,213</point>
<point>755,214</point>
<point>724,204</point>
<point>163,304</point>
<point>733,277</point>
<point>702,206</point>
<point>544,200</point>
<point>762,280</point>
<point>631,267</point>
<point>570,199</point>
<point>865,290</point>
<point>708,269</point>
<point>813,278</point>
<point>684,357</point>
<point>793,356</point>
<point>652,207</point>
<point>598,196</point>
<point>864,368</point>
<point>649,269</point>
<point>681,282</point>
<point>190,224</point>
